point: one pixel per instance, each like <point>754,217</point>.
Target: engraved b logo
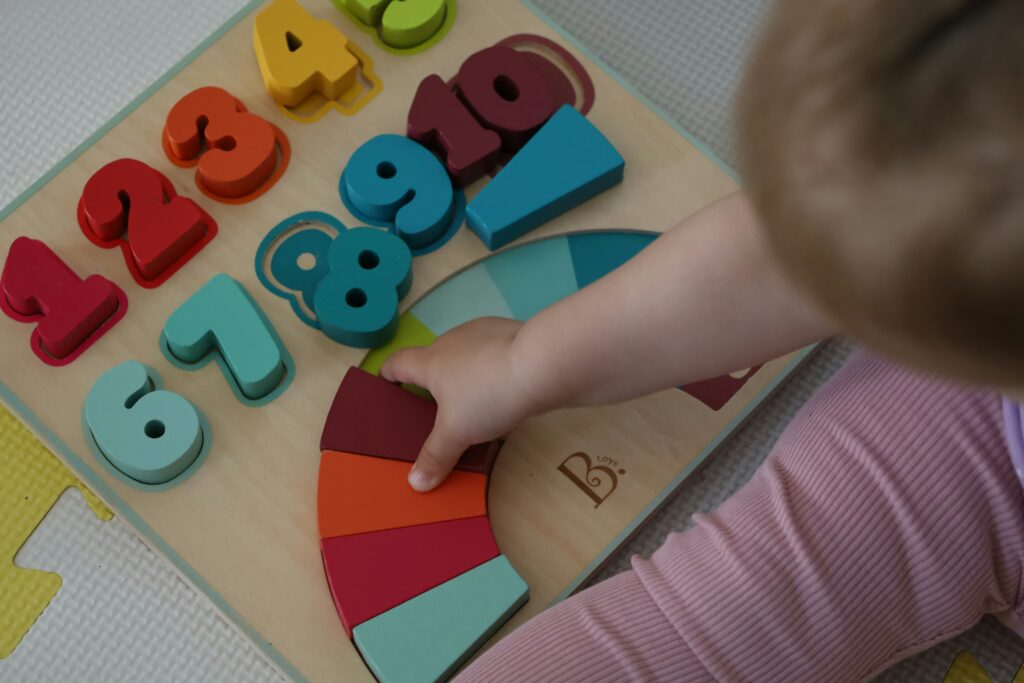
<point>597,481</point>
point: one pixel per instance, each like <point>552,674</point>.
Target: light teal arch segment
<point>533,276</point>
<point>463,297</point>
<point>428,637</point>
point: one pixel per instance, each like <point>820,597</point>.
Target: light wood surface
<point>246,521</point>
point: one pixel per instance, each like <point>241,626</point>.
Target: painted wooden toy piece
<point>403,23</point>
<point>129,204</point>
<point>393,180</point>
<point>221,320</point>
<point>507,93</point>
<point>71,313</point>
<point>373,572</point>
<point>440,121</point>
<point>235,152</point>
<point>150,435</point>
<point>356,303</point>
<point>429,637</point>
<point>299,55</point>
<point>566,163</point>
<point>359,493</point>
<point>364,414</point>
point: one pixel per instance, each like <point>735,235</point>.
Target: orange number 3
<point>238,155</point>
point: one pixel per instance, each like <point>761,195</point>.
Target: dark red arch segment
<point>371,416</point>
<point>371,573</point>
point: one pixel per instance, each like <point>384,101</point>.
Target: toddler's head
<point>884,149</point>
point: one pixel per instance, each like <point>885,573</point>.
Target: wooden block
<point>566,163</point>
<point>299,55</point>
<point>235,152</point>
<point>129,204</point>
<point>358,493</point>
<point>356,303</point>
<point>507,94</point>
<point>396,182</point>
<point>71,313</point>
<point>403,23</point>
<point>441,122</point>
<point>371,416</point>
<point>222,321</point>
<point>150,435</point>
<point>371,573</point>
<point>430,636</point>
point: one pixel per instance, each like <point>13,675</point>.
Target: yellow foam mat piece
<point>967,669</point>
<point>31,480</point>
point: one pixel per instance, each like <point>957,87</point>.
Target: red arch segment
<point>371,573</point>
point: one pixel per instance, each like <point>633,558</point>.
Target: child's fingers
<point>406,366</point>
<point>436,460</point>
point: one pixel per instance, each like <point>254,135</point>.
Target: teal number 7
<point>222,321</point>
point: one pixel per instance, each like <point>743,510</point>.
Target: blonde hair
<point>884,151</point>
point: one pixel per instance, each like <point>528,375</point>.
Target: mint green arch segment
<point>146,436</point>
<point>595,254</point>
<point>428,637</point>
<point>463,297</point>
<point>533,276</point>
<point>221,321</point>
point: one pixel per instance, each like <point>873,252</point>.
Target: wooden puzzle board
<point>243,529</point>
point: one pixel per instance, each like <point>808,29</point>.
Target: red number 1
<point>72,313</point>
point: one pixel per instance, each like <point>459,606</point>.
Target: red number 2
<point>72,313</point>
<point>130,204</point>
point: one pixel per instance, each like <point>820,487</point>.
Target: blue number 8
<point>356,303</point>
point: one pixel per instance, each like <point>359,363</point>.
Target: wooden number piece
<point>151,437</point>
<point>71,313</point>
<point>394,181</point>
<point>131,204</point>
<point>221,320</point>
<point>402,24</point>
<point>506,92</point>
<point>235,152</point>
<point>356,304</point>
<point>299,55</point>
<point>566,163</point>
<point>439,120</point>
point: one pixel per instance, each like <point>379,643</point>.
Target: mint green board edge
<point>104,491</point>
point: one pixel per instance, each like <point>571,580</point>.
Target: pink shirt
<point>1014,426</point>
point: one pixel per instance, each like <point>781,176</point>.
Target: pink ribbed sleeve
<point>887,518</point>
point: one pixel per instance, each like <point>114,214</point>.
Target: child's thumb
<point>436,460</point>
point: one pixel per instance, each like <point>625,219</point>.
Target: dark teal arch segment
<point>595,254</point>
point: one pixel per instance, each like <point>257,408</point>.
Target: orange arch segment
<point>359,493</point>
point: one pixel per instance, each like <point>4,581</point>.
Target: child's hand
<point>473,374</point>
